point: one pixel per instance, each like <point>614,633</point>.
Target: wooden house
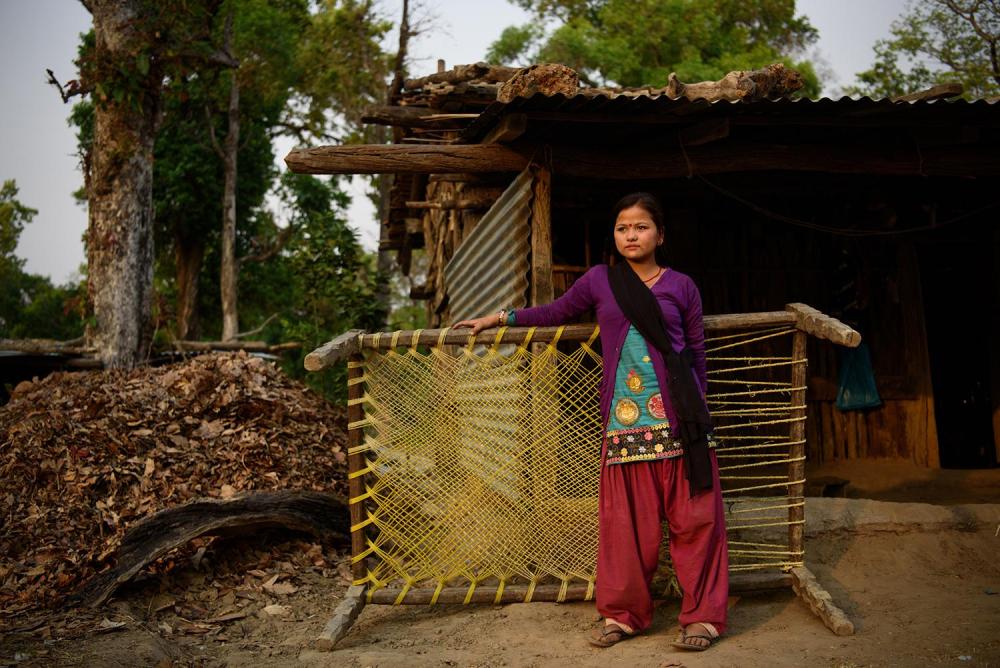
<point>883,213</point>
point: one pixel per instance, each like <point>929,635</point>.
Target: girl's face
<point>636,236</point>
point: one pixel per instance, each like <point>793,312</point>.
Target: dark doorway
<point>957,272</point>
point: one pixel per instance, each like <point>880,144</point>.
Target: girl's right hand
<point>478,324</point>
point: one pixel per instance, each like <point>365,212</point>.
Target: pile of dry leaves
<point>85,455</point>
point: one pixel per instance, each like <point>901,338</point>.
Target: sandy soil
<point>917,598</point>
<point>902,480</point>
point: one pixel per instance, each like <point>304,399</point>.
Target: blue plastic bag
<point>857,380</point>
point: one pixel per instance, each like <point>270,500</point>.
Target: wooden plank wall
<point>749,263</point>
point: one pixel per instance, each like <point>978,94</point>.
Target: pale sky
<point>38,147</point>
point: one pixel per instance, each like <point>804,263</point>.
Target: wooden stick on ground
<point>343,618</point>
<point>820,602</point>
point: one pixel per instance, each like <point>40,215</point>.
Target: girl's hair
<point>651,205</point>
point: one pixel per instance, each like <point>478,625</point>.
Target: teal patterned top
<point>638,428</point>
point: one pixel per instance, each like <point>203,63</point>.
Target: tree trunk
<point>189,251</point>
<point>120,219</point>
<point>230,266</point>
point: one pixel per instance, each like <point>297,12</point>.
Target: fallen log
<point>770,82</point>
<point>313,512</point>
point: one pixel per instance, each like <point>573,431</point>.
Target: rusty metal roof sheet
<point>619,108</point>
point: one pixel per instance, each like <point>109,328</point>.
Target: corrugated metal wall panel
<point>489,271</point>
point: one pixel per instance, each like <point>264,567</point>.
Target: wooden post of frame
<point>797,449</point>
<point>353,602</point>
<point>804,583</point>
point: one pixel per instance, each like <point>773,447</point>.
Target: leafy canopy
<point>30,306</point>
<point>938,41</point>
<point>640,42</point>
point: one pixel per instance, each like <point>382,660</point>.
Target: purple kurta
<point>680,303</point>
<point>635,499</point>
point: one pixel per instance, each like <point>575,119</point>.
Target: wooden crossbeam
<point>650,163</point>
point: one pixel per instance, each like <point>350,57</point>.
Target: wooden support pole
<point>820,602</point>
<point>333,351</point>
<point>356,460</point>
<point>541,238</point>
<point>797,449</point>
<point>344,615</point>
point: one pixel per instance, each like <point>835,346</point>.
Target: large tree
<point>640,42</point>
<point>135,47</point>
<point>290,67</point>
<point>938,41</point>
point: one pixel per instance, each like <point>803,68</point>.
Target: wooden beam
<point>403,159</point>
<point>463,73</point>
<point>939,92</point>
<point>541,238</point>
<point>650,163</point>
<point>414,117</point>
<point>333,351</point>
<point>739,583</point>
<point>576,332</point>
<point>507,130</point>
<point>822,326</point>
<point>704,132</point>
<point>452,204</point>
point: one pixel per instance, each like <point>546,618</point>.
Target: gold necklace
<point>647,280</point>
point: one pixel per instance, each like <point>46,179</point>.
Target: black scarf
<point>639,305</point>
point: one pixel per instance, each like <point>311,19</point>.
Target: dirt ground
<point>902,480</point>
<point>918,595</point>
<point>917,599</point>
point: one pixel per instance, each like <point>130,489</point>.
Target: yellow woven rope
<point>482,463</point>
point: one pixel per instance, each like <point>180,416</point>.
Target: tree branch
<point>282,240</point>
<point>211,133</point>
<point>72,89</point>
<point>86,5</point>
<point>258,329</point>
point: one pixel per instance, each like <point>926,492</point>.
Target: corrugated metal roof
<point>489,270</point>
<point>774,111</point>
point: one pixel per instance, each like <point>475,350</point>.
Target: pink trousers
<point>634,500</point>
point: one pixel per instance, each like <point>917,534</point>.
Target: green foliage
<point>342,69</point>
<point>13,217</point>
<point>324,283</point>
<point>640,42</point>
<point>30,306</point>
<point>937,41</point>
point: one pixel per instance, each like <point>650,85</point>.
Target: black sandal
<point>711,635</point>
<point>608,635</point>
